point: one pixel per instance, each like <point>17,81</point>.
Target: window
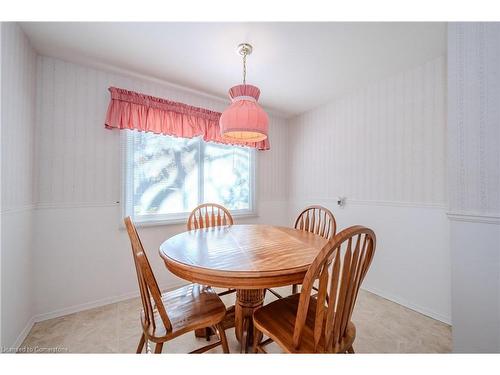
<point>166,177</point>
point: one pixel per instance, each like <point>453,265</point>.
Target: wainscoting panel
<point>412,261</point>
<point>88,261</point>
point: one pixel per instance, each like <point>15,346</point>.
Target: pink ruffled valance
<point>135,111</point>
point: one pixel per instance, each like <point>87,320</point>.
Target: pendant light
<point>244,120</point>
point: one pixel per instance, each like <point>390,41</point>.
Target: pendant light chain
<point>244,67</point>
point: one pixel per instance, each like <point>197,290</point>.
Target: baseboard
<point>84,306</point>
<point>24,333</point>
<point>69,310</point>
<point>93,304</point>
<point>411,306</point>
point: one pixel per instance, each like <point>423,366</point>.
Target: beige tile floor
<point>382,327</point>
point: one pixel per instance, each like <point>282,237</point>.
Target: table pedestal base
<point>247,301</point>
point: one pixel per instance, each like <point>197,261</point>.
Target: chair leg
<point>141,344</point>
<point>223,338</point>
<point>350,350</point>
<point>158,348</point>
<point>294,288</point>
<point>207,333</point>
<point>256,340</point>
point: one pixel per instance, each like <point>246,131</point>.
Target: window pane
<point>227,176</point>
<point>165,174</point>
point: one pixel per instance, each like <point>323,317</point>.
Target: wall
<point>82,254</point>
<point>383,147</point>
<point>474,184</point>
<point>393,178</point>
<point>18,119</point>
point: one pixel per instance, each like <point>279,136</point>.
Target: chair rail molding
<point>474,217</point>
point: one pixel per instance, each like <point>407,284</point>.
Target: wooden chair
<point>171,314</point>
<point>302,323</point>
<point>209,215</point>
<point>318,220</point>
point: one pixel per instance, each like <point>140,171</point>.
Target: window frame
<point>176,218</point>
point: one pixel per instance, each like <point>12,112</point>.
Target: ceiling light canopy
<point>244,120</point>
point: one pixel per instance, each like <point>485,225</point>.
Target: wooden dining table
<point>248,258</point>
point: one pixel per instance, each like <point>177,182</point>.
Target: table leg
<point>247,301</point>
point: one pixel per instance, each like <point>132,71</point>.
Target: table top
<point>242,256</point>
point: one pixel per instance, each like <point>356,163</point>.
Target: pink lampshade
<point>244,120</point>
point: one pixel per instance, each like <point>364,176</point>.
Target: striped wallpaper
<point>79,161</point>
<point>474,123</point>
<point>383,143</point>
<point>18,118</point>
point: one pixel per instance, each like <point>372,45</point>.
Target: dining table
<point>249,258</point>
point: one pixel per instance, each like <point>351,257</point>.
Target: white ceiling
<point>297,66</point>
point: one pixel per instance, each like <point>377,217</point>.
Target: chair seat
<point>277,321</point>
<point>190,307</point>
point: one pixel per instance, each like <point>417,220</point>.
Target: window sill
<point>183,220</point>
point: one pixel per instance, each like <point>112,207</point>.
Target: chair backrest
<point>318,220</point>
<point>209,215</point>
<point>150,292</point>
<point>340,267</point>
